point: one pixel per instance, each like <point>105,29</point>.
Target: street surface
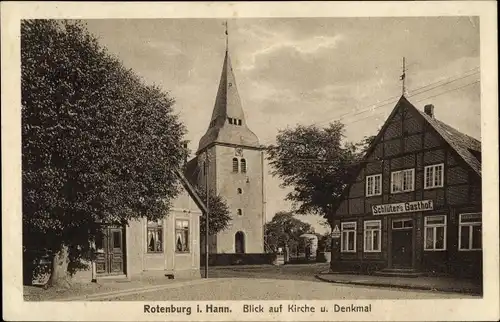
<point>294,282</point>
<point>302,272</point>
<point>268,289</point>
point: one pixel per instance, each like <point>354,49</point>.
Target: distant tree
<point>324,223</point>
<point>284,230</point>
<point>366,142</point>
<point>317,163</point>
<point>325,242</point>
<point>98,145</point>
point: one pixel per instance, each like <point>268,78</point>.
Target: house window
<point>235,165</point>
<point>469,233</point>
<point>240,212</point>
<point>243,166</point>
<point>399,224</point>
<point>433,176</point>
<point>402,181</point>
<point>239,122</point>
<point>230,120</point>
<point>374,185</point>
<point>239,191</point>
<point>372,234</point>
<point>348,237</point>
<point>435,232</point>
<point>181,236</point>
<point>155,236</point>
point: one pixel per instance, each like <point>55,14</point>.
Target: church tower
<point>230,155</point>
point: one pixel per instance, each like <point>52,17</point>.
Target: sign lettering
<point>398,208</point>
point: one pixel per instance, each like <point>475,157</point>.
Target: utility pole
<point>207,214</point>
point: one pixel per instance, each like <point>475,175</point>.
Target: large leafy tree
<point>284,230</point>
<point>219,214</point>
<point>98,145</point>
<point>317,163</point>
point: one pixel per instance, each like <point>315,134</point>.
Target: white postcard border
<point>464,309</point>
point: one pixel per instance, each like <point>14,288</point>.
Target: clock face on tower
<point>238,152</point>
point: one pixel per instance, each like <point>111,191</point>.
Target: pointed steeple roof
<point>228,124</point>
<point>227,102</point>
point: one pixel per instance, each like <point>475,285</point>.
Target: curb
<point>137,290</point>
<point>265,266</point>
<point>403,286</point>
<point>242,266</point>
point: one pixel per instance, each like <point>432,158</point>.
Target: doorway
<point>110,251</point>
<point>402,243</point>
<point>239,243</point>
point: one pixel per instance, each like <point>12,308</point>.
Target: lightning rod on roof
<point>227,36</point>
<point>403,77</point>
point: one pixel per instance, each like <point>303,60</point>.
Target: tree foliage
<point>98,145</point>
<point>325,242</point>
<point>316,162</point>
<point>284,230</point>
<point>219,214</point>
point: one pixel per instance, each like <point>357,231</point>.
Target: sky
<point>306,71</point>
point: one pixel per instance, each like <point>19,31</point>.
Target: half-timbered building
<point>414,203</point>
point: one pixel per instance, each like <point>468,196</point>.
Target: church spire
<point>228,124</point>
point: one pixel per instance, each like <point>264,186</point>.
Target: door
<point>402,243</point>
<point>239,243</point>
<point>110,250</point>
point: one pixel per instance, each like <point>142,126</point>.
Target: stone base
<point>85,276</point>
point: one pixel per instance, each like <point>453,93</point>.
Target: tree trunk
<point>59,276</point>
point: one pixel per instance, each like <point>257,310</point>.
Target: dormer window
<point>234,121</point>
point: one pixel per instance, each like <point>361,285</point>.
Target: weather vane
<point>403,77</point>
<point>227,36</point>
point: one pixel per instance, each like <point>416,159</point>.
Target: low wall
<point>238,259</point>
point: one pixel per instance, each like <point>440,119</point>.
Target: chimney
<point>429,110</point>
